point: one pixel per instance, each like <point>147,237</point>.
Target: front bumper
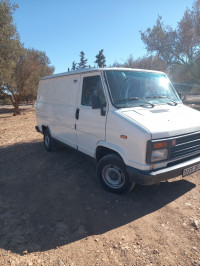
<point>158,175</point>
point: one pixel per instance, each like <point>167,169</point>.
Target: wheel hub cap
<point>113,176</point>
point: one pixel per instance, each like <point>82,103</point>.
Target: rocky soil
<point>53,211</point>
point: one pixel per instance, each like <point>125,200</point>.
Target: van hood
<point>166,121</point>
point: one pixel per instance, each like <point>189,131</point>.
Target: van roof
<point>87,70</point>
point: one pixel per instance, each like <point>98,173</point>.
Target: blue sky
<point>63,28</point>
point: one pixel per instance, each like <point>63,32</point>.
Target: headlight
<point>159,155</point>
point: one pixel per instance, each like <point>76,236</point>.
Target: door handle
<point>77,113</point>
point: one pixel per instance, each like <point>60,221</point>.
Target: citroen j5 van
<point>131,121</point>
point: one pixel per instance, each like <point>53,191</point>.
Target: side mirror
<point>96,102</point>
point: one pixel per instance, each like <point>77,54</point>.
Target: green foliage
<point>163,41</point>
<point>29,68</point>
<point>74,66</point>
<point>100,59</point>
<point>83,61</point>
<point>146,62</point>
<point>20,68</point>
<point>10,46</point>
<point>180,47</point>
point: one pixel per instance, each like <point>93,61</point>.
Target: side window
<point>92,86</point>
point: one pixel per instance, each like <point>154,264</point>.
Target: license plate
<point>191,170</point>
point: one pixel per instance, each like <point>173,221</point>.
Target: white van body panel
<point>165,121</point>
<point>56,105</point>
<point>136,143</point>
<point>91,125</point>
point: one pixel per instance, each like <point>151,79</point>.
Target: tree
<point>83,60</point>
<point>100,59</point>
<point>146,62</point>
<point>162,41</point>
<point>74,66</point>
<point>151,62</point>
<point>20,68</point>
<point>180,47</point>
<point>23,81</point>
<point>10,46</point>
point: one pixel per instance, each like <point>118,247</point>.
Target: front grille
<point>186,146</point>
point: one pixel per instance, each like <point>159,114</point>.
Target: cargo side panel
<point>56,106</point>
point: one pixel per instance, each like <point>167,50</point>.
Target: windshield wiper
<point>161,97</point>
<point>133,99</point>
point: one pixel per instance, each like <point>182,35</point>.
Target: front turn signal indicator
<point>123,136</point>
<point>160,145</point>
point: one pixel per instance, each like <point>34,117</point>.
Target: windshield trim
<point>108,87</point>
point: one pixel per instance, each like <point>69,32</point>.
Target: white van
<point>131,121</point>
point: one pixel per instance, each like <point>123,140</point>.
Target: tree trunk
<point>15,100</point>
<point>16,106</point>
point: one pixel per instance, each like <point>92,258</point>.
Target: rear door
<point>90,123</point>
<point>65,98</point>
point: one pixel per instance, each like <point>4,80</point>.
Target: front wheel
<point>112,174</point>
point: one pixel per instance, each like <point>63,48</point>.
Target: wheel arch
<point>104,149</point>
<point>44,127</point>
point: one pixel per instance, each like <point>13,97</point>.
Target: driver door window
<point>92,86</point>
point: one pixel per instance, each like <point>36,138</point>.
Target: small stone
<point>195,197</point>
<point>155,251</point>
<point>194,248</point>
<point>25,252</point>
<point>60,262</point>
<point>96,239</point>
<point>195,224</point>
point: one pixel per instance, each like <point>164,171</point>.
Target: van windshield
<point>135,88</point>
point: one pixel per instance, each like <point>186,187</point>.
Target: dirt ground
<point>53,211</point>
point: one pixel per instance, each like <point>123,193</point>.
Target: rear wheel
<point>48,141</point>
<point>112,174</point>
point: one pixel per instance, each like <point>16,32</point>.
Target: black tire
<point>48,141</point>
<point>112,174</point>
